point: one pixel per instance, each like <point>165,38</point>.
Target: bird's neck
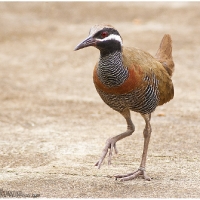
<point>111,71</point>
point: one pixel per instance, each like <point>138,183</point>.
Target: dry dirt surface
<point>53,123</point>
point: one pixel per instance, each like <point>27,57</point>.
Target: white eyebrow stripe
<point>112,37</point>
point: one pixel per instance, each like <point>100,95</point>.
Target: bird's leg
<point>141,170</point>
<point>111,142</point>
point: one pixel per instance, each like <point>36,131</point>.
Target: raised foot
<point>140,172</point>
<point>110,145</point>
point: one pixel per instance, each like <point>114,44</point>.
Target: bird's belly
<point>143,100</point>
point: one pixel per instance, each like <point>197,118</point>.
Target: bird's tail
<point>164,54</point>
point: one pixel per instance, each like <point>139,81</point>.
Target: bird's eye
<point>104,34</point>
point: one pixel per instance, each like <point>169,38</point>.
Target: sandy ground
<point>54,125</point>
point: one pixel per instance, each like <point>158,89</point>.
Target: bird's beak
<point>89,41</point>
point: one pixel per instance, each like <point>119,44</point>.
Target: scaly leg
<point>111,142</point>
<point>141,170</point>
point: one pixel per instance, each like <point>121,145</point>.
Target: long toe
<point>131,176</point>
<point>110,146</point>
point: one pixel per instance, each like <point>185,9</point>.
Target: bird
<point>129,79</point>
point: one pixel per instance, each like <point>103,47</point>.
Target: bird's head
<point>104,37</point>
